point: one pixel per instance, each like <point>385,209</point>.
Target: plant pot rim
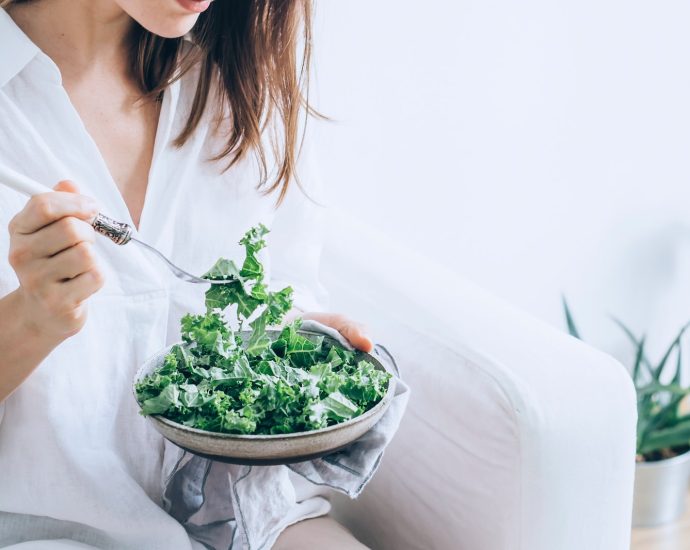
<point>664,461</point>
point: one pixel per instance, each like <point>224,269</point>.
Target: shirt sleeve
<point>8,280</point>
<point>297,237</point>
<point>10,204</point>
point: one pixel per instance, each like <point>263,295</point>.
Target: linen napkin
<point>233,507</point>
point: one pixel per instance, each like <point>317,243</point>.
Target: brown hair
<point>248,60</point>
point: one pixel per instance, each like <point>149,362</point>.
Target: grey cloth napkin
<point>228,506</point>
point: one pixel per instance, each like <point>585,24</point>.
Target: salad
<point>256,381</point>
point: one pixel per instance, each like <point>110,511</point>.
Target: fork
<point>118,232</point>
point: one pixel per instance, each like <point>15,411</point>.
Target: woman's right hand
<point>51,250</point>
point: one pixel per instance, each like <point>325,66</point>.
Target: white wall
<point>534,147</point>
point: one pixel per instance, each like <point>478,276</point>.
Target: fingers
<point>71,263</point>
<point>83,286</point>
<point>353,332</point>
<point>33,240</point>
<point>51,250</point>
<point>56,237</point>
<point>356,337</point>
<point>46,208</point>
<point>66,186</point>
<point>40,275</point>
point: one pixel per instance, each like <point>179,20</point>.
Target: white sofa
<point>517,437</point>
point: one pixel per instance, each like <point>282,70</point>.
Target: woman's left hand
<point>352,331</point>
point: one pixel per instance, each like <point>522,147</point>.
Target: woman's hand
<point>352,331</point>
<point>51,250</point>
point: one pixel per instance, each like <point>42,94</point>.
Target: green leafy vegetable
<point>217,381</point>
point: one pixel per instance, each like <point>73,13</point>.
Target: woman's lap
<point>323,532</point>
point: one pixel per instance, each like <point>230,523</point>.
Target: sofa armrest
<point>516,437</point>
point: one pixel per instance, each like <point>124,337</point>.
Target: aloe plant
<point>662,429</point>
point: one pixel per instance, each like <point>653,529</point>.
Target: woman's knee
<point>323,532</point>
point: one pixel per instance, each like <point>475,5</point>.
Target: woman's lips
<point>195,6</point>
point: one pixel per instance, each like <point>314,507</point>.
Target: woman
<point>172,135</point>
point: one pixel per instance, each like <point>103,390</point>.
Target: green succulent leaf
<point>675,436</point>
<point>572,329</point>
<point>661,417</point>
<point>679,365</point>
<point>658,370</point>
<point>639,359</point>
<point>660,425</point>
<point>638,343</point>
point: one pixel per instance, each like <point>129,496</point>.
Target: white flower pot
<point>660,490</point>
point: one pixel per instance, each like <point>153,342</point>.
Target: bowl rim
<point>382,403</point>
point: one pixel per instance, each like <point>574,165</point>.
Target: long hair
<point>253,59</point>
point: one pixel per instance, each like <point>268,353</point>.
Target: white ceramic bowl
<point>268,449</point>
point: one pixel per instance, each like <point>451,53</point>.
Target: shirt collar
<point>16,49</point>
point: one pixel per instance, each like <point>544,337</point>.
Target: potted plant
<point>663,430</point>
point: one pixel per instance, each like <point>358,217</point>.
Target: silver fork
<point>118,232</point>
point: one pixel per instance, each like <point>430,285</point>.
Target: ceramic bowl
<point>268,449</point>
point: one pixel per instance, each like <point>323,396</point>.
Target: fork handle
<point>21,183</point>
<point>118,232</point>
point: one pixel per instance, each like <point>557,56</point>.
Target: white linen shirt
<point>77,461</point>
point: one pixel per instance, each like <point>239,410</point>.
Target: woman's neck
<point>80,36</point>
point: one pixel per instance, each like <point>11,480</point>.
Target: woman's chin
<point>176,27</point>
<point>165,18</point>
